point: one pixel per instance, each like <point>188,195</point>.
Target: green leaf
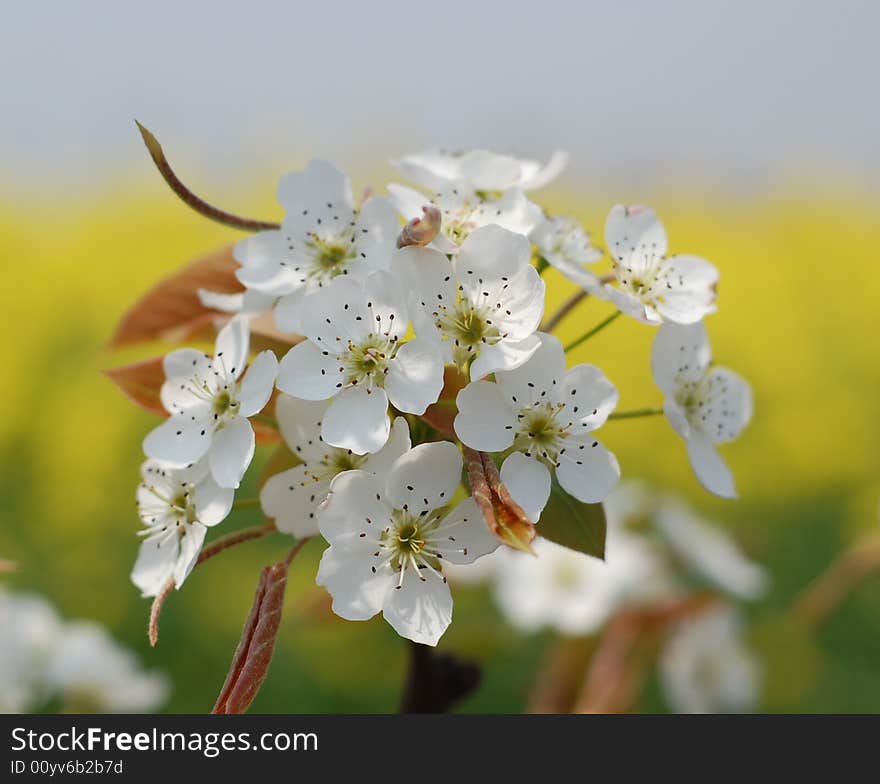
<point>572,523</point>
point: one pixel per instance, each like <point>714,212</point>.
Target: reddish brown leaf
<point>141,382</point>
<point>171,310</point>
<point>441,414</point>
<point>502,514</point>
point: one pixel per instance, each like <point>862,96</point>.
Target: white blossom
<point>705,666</point>
<point>176,506</point>
<point>547,416</point>
<point>483,307</point>
<point>563,243</point>
<point>708,551</point>
<point>292,497</point>
<point>390,536</point>
<point>355,355</point>
<point>465,210</point>
<point>323,236</point>
<point>651,286</point>
<point>209,404</point>
<point>482,170</point>
<point>706,405</point>
<point>90,672</point>
<point>29,630</point>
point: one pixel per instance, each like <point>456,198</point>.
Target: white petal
<point>520,306</point>
<point>528,481</point>
<point>485,421</point>
<point>300,424</point>
<point>677,417</point>
<point>288,311</point>
<point>222,301</point>
<point>179,441</point>
<point>632,306</point>
<point>489,171</point>
<point>589,397</point>
<point>354,506</point>
<point>415,377</point>
<point>336,314</point>
<point>376,231</point>
<point>357,419</point>
<point>635,237</point>
<point>491,253</point>
<point>587,470</point>
<point>358,594</point>
<point>679,356</point>
<point>535,176</point>
<point>427,274</point>
<point>184,370</point>
<point>258,383</point>
<point>407,201</point>
<point>726,408</point>
<point>190,547</point>
<point>426,477</point>
<point>310,190</point>
<point>420,610</point>
<point>213,503</point>
<point>154,565</point>
<point>506,355</point>
<point>272,280</point>
<point>463,535</point>
<point>258,250</point>
<point>539,379</point>
<point>309,373</point>
<point>398,444</point>
<point>232,452</point>
<point>689,289</point>
<point>291,498</point>
<point>231,350</point>
<point>709,466</point>
<point>387,303</point>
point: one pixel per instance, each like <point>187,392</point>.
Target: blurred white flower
<point>354,355</point>
<point>547,414</point>
<point>575,593</point>
<point>322,237</point>
<point>465,210</point>
<point>209,405</point>
<point>483,307</point>
<point>29,630</point>
<point>652,287</point>
<point>706,667</point>
<point>44,660</point>
<point>706,405</point>
<point>292,497</point>
<point>176,507</point>
<point>390,536</point>
<point>90,672</point>
<point>707,550</point>
<point>564,244</point>
<point>482,170</point>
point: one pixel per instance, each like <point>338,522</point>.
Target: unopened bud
<point>420,231</point>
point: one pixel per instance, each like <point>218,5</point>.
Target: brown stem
<point>436,681</point>
<point>233,539</point>
<point>189,198</point>
<point>569,305</point>
<point>831,588</point>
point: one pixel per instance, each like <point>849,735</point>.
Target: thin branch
<point>569,305</point>
<point>826,593</point>
<point>189,198</point>
<point>635,414</point>
<point>238,537</point>
<point>598,328</point>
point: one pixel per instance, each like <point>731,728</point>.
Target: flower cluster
<point>75,664</point>
<point>416,330</point>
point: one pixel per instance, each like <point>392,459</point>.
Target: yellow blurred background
<point>797,310</point>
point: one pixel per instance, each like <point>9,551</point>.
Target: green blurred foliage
<point>794,318</point>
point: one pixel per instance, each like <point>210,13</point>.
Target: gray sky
<point>735,91</point>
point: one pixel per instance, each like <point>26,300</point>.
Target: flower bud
<point>421,230</point>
